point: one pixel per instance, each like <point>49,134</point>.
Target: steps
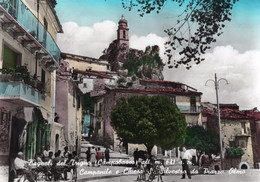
<point>113,155</point>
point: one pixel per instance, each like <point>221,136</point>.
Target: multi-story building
<point>85,72</point>
<point>29,57</point>
<point>186,99</point>
<point>68,110</point>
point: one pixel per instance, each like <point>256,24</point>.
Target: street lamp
<point>216,82</point>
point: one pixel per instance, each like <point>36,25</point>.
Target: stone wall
<point>232,131</point>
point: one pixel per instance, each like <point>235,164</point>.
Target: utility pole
<point>216,82</point>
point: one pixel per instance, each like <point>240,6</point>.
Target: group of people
<point>96,157</point>
<point>48,164</point>
<point>148,172</point>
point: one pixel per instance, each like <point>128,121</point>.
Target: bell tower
<point>122,33</point>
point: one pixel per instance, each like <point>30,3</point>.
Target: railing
<point>19,90</point>
<point>35,83</point>
<point>189,109</point>
<point>19,11</point>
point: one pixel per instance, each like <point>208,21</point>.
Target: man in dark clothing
<point>136,156</point>
<point>107,154</point>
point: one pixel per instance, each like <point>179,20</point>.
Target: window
<point>231,143</point>
<point>78,102</point>
<point>242,143</point>
<point>74,98</point>
<point>124,35</point>
<point>173,99</point>
<point>43,76</point>
<point>100,109</point>
<point>10,58</point>
<point>243,125</point>
<point>84,85</point>
<point>193,104</point>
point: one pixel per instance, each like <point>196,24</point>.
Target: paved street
<point>249,176</point>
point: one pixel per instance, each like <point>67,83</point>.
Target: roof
<point>52,4</point>
<point>83,58</point>
<point>161,81</point>
<point>253,114</point>
<point>230,106</point>
<point>227,113</point>
<point>233,114</point>
<point>93,73</point>
<point>177,91</point>
<point>171,84</point>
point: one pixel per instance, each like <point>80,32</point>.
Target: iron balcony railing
<point>19,90</point>
<point>189,109</point>
<point>19,11</point>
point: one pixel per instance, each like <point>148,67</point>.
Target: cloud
<point>151,39</point>
<point>87,41</point>
<point>240,69</point>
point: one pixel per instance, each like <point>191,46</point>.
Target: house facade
<point>68,110</point>
<point>185,98</point>
<point>29,57</point>
<point>235,130</point>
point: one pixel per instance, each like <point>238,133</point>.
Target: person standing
<point>107,154</point>
<point>136,156</point>
<point>99,156</point>
<point>185,157</point>
<point>88,154</point>
<point>93,154</point>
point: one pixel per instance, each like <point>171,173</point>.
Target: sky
<point>90,26</point>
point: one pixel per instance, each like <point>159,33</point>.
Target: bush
<point>234,152</point>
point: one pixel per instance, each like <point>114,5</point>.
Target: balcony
<point>19,94</point>
<point>189,109</point>
<point>19,11</point>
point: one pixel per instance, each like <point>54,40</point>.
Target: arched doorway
<point>244,165</point>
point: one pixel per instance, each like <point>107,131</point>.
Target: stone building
<point>254,115</point>
<point>235,130</point>
<point>68,110</point>
<point>29,57</point>
<point>86,72</point>
<point>186,99</point>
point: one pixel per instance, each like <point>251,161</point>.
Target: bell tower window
<point>124,34</point>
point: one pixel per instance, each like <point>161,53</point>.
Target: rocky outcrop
<point>132,64</point>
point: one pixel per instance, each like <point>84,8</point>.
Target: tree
<point>148,120</point>
<point>195,30</point>
<point>201,140</point>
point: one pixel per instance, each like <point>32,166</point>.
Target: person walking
<point>107,154</point>
<point>185,157</point>
<point>88,154</point>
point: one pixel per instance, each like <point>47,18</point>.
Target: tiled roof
<point>161,81</point>
<point>177,91</point>
<point>93,73</point>
<point>227,113</point>
<point>253,114</point>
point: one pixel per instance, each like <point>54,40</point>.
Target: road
<point>248,176</point>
